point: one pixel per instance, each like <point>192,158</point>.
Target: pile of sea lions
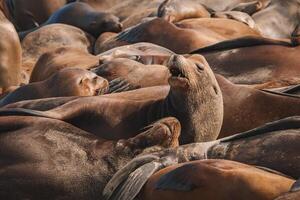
<point>160,99</point>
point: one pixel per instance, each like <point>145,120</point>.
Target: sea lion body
<point>256,65</point>
<point>183,37</point>
<point>201,178</point>
<point>119,114</point>
<point>51,159</point>
<point>67,82</point>
<point>60,58</point>
<point>10,55</point>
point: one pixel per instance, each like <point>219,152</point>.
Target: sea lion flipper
<point>179,179</point>
<point>122,174</point>
<point>296,186</point>
<point>238,16</point>
<point>26,112</point>
<point>249,7</point>
<point>120,85</point>
<point>283,124</point>
<point>136,180</point>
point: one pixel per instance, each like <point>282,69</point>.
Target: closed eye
<point>200,67</point>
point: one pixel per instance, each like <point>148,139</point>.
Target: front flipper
<point>250,7</point>
<point>120,85</point>
<point>238,16</point>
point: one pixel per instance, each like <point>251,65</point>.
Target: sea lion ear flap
<point>296,186</point>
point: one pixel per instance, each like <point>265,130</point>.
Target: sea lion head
<point>194,89</point>
<point>78,82</point>
<point>104,22</point>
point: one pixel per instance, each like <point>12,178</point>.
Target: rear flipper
<point>128,181</point>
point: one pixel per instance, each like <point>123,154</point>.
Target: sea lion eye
<point>200,66</point>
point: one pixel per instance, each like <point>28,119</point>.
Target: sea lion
<point>264,146</point>
<point>51,37</point>
<point>10,55</point>
<point>146,53</point>
<point>279,19</point>
<point>60,58</point>
<point>293,194</point>
<point>27,14</point>
<point>175,11</point>
<point>66,82</point>
<point>136,74</point>
<point>182,37</point>
<point>246,108</point>
<point>254,61</point>
<point>50,159</point>
<point>202,178</point>
<point>82,16</point>
<point>192,86</point>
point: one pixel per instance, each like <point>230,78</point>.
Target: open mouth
<point>176,72</point>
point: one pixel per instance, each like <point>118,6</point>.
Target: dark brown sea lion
<point>10,55</point>
<point>175,10</point>
<point>184,37</point>
<point>83,16</point>
<point>27,14</point>
<point>293,194</point>
<point>146,53</point>
<point>50,159</point>
<point>254,61</point>
<point>136,74</point>
<point>246,108</point>
<point>279,19</point>
<point>64,57</point>
<point>274,146</point>
<point>49,38</point>
<point>66,82</point>
<point>193,97</point>
<point>201,179</point>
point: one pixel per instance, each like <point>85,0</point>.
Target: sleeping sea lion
<point>51,37</point>
<point>209,179</point>
<point>49,159</point>
<point>193,97</point>
<point>182,37</point>
<point>66,82</point>
<point>82,16</point>
<point>10,55</point>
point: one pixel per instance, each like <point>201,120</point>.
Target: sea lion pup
<point>209,179</point>
<point>136,74</point>
<point>51,37</point>
<point>174,11</point>
<point>182,37</point>
<point>50,159</point>
<point>143,52</point>
<point>66,82</point>
<point>82,16</point>
<point>293,194</point>
<point>60,58</point>
<point>193,97</point>
<point>10,55</point>
<point>246,108</point>
<point>253,61</point>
